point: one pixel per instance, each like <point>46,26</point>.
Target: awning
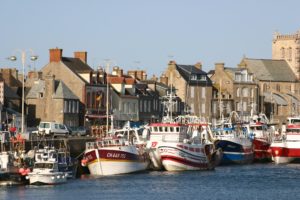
<point>292,98</point>
<point>275,98</point>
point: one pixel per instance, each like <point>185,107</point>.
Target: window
<point>93,100</point>
<point>133,107</point>
<point>88,100</point>
<point>282,52</point>
<point>149,106</point>
<point>141,105</point>
<point>245,92</point>
<point>203,92</point>
<point>203,108</point>
<point>278,88</point>
<point>70,107</point>
<point>193,77</point>
<point>265,87</point>
<point>192,108</point>
<point>74,107</point>
<point>203,78</point>
<point>290,54</point>
<point>214,108</point>
<point>65,106</point>
<point>238,92</point>
<point>252,93</point>
<point>77,107</point>
<point>192,89</point>
<point>238,77</point>
<point>244,106</point>
<point>145,105</point>
<point>228,107</point>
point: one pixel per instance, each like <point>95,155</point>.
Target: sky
<point>144,35</point>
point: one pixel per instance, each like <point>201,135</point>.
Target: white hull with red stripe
<point>114,160</point>
<point>285,151</point>
<point>182,156</point>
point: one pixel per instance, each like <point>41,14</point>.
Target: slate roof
<point>187,70</point>
<point>11,92</point>
<point>61,90</point>
<point>270,70</point>
<point>38,87</point>
<point>76,65</point>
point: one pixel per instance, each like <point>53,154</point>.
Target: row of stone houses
<point>69,91</point>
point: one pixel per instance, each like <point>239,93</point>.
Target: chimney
<point>198,65</point>
<point>172,65</point>
<point>82,55</point>
<point>55,55</point>
<point>139,74</point>
<point>164,79</point>
<point>120,72</point>
<point>154,78</point>
<point>115,71</point>
<point>219,67</point>
<point>132,74</point>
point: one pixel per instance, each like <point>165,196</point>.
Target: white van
<point>53,129</point>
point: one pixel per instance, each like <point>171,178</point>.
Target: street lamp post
<point>23,59</point>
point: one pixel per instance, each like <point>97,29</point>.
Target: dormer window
<point>193,77</point>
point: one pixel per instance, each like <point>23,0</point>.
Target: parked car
<point>53,129</point>
<point>80,130</point>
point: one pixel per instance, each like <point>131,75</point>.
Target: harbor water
<point>256,181</point>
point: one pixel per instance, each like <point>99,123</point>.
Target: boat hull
<point>262,152</point>
<point>112,161</point>
<point>47,179</point>
<point>8,178</point>
<point>236,151</point>
<point>285,152</point>
<point>181,157</point>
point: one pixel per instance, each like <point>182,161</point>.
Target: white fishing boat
<point>286,148</point>
<point>120,153</point>
<point>182,143</point>
<point>46,169</point>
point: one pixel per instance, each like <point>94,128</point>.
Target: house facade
<point>193,87</point>
<point>52,100</point>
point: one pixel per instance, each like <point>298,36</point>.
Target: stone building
<point>234,90</point>
<point>124,102</point>
<point>287,47</point>
<point>192,86</point>
<point>52,100</point>
<point>79,77</point>
<point>278,87</point>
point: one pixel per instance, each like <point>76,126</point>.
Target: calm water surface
<point>257,181</point>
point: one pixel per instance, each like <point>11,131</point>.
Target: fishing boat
<point>233,139</point>
<point>286,147</point>
<point>178,147</point>
<point>13,166</point>
<point>180,143</point>
<point>261,132</point>
<point>49,168</point>
<point>120,152</point>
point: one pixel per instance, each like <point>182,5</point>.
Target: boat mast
<point>107,94</point>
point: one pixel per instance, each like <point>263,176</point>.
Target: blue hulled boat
<point>235,144</point>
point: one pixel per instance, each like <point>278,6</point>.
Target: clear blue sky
<point>146,34</point>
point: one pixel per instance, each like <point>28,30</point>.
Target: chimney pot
<point>55,55</point>
<point>82,55</point>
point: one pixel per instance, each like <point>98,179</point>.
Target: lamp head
<point>12,58</point>
<point>34,57</point>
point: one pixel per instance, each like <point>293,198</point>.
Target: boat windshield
<point>43,165</point>
<point>295,121</point>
